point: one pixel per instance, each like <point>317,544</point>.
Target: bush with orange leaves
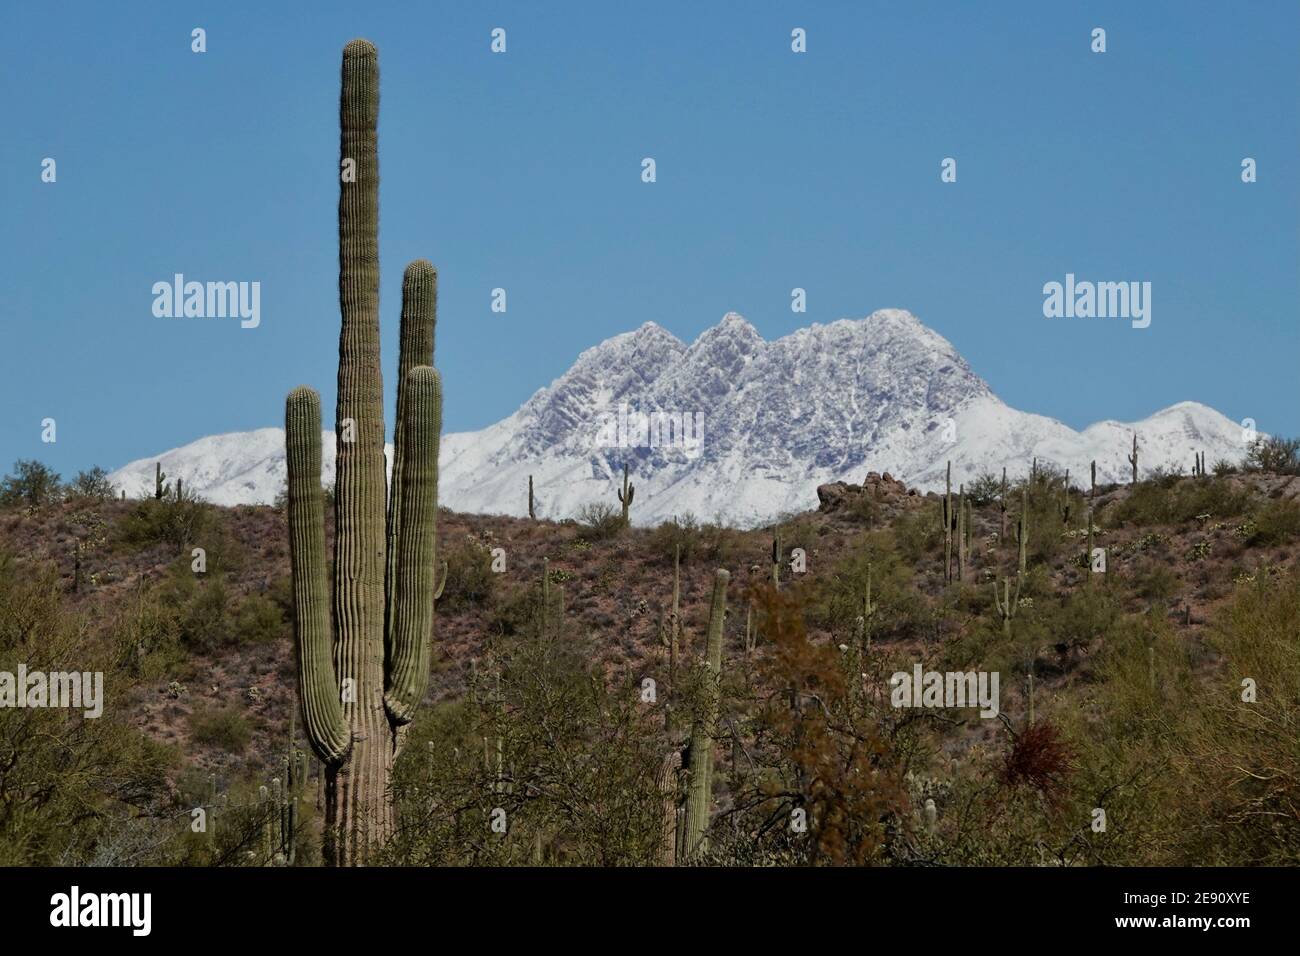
<point>816,783</point>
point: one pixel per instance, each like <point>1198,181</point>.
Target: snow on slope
<point>824,403</point>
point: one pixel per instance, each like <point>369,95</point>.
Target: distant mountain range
<point>735,428</point>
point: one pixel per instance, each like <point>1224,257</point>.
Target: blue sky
<point>522,171</point>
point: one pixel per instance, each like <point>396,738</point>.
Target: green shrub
<point>1151,503</point>
<point>260,620</point>
<point>470,580</point>
<point>223,727</point>
<point>167,521</point>
<point>985,489</point>
<point>93,484</point>
<point>1278,455</point>
<point>1276,523</point>
<point>31,483</point>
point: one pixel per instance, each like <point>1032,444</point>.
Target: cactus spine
<point>700,792</point>
<point>1133,458</point>
<point>625,495</point>
<point>360,687</point>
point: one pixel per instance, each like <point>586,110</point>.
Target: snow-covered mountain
<point>736,428</point>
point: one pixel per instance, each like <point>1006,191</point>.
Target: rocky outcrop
<point>840,495</point>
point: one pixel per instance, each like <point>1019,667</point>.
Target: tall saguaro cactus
<point>360,685</point>
<point>700,793</point>
<point>1133,458</point>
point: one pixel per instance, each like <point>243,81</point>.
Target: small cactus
<point>1022,528</point>
<point>1006,604</point>
<point>625,495</point>
<point>947,524</point>
<point>1002,507</point>
<point>776,557</point>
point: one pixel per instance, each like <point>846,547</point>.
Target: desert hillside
<point>562,693</point>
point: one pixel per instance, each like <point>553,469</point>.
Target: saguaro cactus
<point>776,557</point>
<point>1006,604</point>
<point>159,481</point>
<point>1002,506</point>
<point>625,495</point>
<point>1133,458</point>
<point>669,771</point>
<point>532,510</point>
<point>1022,528</point>
<point>947,524</point>
<point>961,532</point>
<point>360,686</point>
<point>699,795</point>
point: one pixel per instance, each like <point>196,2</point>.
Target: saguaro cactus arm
<point>419,319</point>
<point>318,687</point>
<point>407,670</point>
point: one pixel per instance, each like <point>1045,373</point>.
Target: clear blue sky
<point>522,170</point>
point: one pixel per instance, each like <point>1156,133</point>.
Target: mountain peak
<point>743,429</point>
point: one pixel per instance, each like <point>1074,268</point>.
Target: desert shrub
<point>1278,455</point>
<point>93,484</point>
<point>169,521</point>
<point>1039,758</point>
<point>919,533</point>
<point>837,601</point>
<point>985,489</point>
<point>577,774</point>
<point>76,790</point>
<point>31,483</point>
<point>1151,503</point>
<point>223,727</point>
<point>1154,580</point>
<point>259,619</point>
<point>1277,522</point>
<point>681,531</point>
<point>470,580</point>
<point>599,521</point>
